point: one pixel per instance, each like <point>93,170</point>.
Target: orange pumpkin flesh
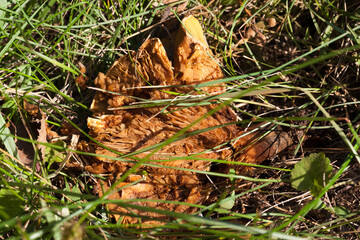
<point>126,131</point>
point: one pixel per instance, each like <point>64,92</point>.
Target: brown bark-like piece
<point>167,172</point>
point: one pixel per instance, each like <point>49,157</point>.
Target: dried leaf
<point>25,149</point>
<point>82,80</point>
<point>30,108</point>
<point>42,137</point>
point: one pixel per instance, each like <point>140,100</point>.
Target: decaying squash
<point>172,171</point>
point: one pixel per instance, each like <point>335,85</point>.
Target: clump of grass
<point>312,50</point>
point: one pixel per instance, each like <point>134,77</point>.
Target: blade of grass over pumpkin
<point>135,160</point>
<point>208,129</point>
<point>171,139</point>
<point>143,161</point>
<point>214,223</point>
<point>185,169</point>
<point>156,147</point>
<point>84,133</point>
<point>61,148</point>
<point>185,100</point>
<point>189,218</point>
<point>182,134</point>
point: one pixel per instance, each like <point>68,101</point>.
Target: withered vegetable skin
<point>129,130</point>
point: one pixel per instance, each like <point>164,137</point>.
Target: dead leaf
<point>82,80</point>
<point>30,108</point>
<point>42,137</point>
<point>25,149</point>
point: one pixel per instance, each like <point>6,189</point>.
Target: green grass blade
<point>7,139</point>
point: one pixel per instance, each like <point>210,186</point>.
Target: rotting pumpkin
<point>173,171</point>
